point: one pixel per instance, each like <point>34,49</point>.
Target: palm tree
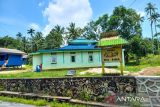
<point>150,9</point>
<point>55,38</point>
<point>157,35</point>
<point>73,32</point>
<point>155,17</point>
<point>24,44</point>
<point>19,40</point>
<point>38,41</point>
<point>19,35</point>
<point>158,25</point>
<point>59,29</point>
<point>31,32</point>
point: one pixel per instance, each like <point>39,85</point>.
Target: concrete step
<point>57,98</point>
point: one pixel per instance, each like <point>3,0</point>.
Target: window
<point>90,56</point>
<point>2,57</point>
<point>73,57</point>
<point>54,58</point>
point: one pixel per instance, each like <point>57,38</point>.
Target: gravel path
<point>99,71</point>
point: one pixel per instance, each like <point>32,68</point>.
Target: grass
<point>134,67</point>
<point>24,101</point>
<point>45,74</point>
<point>148,61</point>
<point>38,102</point>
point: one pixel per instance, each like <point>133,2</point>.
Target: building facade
<point>79,53</point>
<point>11,57</point>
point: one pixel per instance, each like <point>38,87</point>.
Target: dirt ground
<point>150,71</point>
<point>99,71</point>
<point>14,71</point>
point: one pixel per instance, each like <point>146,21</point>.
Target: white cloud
<point>40,4</point>
<point>141,13</point>
<point>34,26</point>
<point>62,12</point>
<point>47,29</point>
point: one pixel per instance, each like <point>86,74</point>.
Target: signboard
<point>111,55</point>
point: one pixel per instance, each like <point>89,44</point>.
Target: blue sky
<point>42,15</point>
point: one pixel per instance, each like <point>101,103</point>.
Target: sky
<point>42,15</point>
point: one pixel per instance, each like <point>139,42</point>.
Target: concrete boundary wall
<point>76,87</point>
<point>94,88</point>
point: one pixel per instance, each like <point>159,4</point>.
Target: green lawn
<point>148,61</point>
<point>45,74</point>
<point>135,68</point>
<point>38,102</point>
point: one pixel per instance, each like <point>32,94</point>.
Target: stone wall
<point>149,88</point>
<point>89,88</point>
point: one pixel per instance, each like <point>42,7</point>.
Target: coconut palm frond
<point>157,34</point>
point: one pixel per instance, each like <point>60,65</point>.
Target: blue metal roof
<point>50,50</point>
<point>78,44</point>
<point>70,48</point>
<point>79,47</point>
<point>82,40</point>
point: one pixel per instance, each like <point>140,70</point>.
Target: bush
<point>135,104</point>
<point>153,60</point>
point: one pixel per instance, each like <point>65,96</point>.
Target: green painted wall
<point>37,60</point>
<point>64,60</point>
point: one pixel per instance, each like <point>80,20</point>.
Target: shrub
<point>153,60</point>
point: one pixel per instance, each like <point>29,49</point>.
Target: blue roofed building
<point>79,53</point>
<point>11,57</point>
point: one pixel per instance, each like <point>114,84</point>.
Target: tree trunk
<point>152,33</point>
<point>152,38</point>
<point>137,60</point>
<point>157,37</point>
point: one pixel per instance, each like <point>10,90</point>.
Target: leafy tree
<point>91,31</point>
<point>54,39</point>
<point>73,32</point>
<point>8,42</point>
<point>20,43</point>
<point>103,22</point>
<point>139,47</point>
<point>126,22</point>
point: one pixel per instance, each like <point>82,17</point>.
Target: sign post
<point>120,59</point>
<point>114,45</point>
<point>102,58</point>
